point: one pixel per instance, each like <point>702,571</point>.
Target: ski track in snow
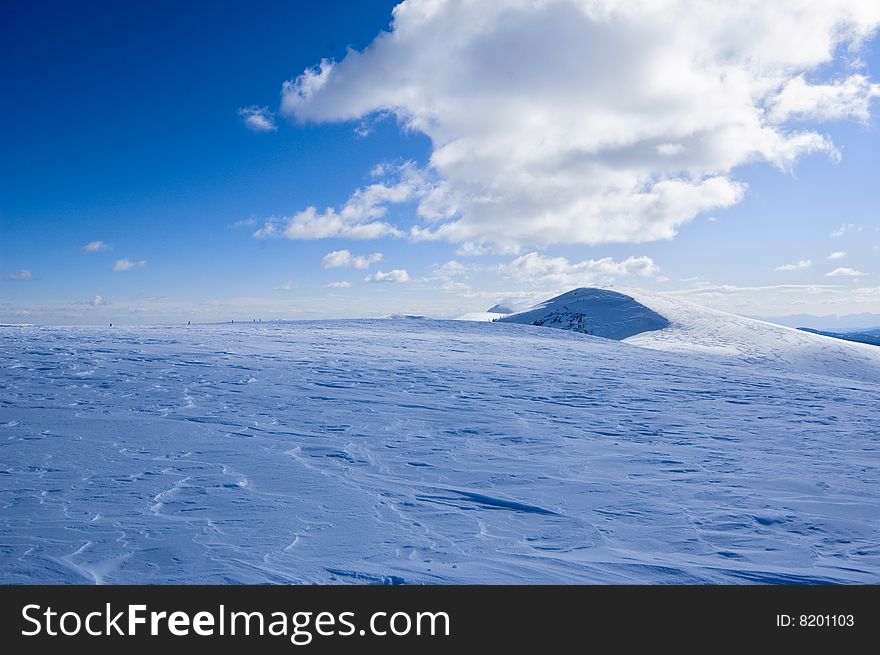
<point>435,451</point>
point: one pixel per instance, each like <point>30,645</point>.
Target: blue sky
<point>125,124</point>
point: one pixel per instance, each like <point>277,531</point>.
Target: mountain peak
<point>599,312</point>
<point>500,308</point>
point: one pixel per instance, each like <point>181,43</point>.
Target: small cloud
<point>849,97</point>
<point>868,293</point>
<point>797,266</point>
<point>837,254</point>
<point>453,287</point>
<point>344,259</point>
<point>258,119</point>
<point>448,270</point>
<point>245,222</point>
<point>844,272</point>
<point>471,249</point>
<point>344,284</point>
<point>286,286</point>
<point>843,229</point>
<point>98,301</point>
<point>21,276</point>
<point>360,217</point>
<point>397,275</point>
<point>126,264</point>
<point>95,246</point>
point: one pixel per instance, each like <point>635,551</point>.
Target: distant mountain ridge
<point>865,322</point>
<point>871,337</point>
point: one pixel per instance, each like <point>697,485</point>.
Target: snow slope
<point>740,341</point>
<point>600,312</point>
<point>435,451</point>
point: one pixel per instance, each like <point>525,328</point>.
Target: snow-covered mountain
<point>599,312</point>
<point>663,322</point>
<point>500,308</point>
<point>711,450</point>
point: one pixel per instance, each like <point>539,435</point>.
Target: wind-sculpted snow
<point>600,312</point>
<point>426,452</point>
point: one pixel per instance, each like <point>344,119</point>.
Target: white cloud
<point>98,301</point>
<point>95,246</point>
<point>454,287</point>
<point>127,264</point>
<point>732,288</point>
<point>770,300</point>
<point>797,266</point>
<point>344,259</point>
<point>449,270</point>
<point>379,170</point>
<point>868,293</point>
<point>450,276</point>
<point>847,98</point>
<point>358,217</point>
<point>623,127</point>
<point>286,286</point>
<point>21,276</point>
<point>363,130</point>
<point>344,284</point>
<point>245,222</point>
<point>837,254</point>
<point>844,272</point>
<point>558,271</point>
<point>471,249</point>
<point>397,275</point>
<point>258,119</point>
<point>843,229</point>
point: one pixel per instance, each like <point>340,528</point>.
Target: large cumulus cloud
<point>593,121</point>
